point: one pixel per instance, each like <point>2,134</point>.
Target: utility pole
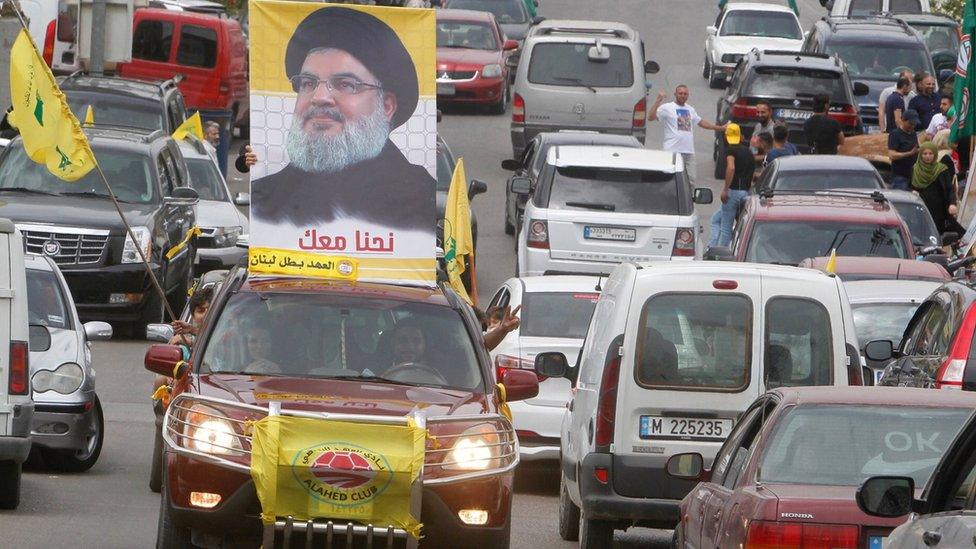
<point>9,29</point>
<point>96,64</point>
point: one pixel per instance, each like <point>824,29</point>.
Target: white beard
<point>319,153</point>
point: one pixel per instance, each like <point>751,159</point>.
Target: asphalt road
<point>111,506</point>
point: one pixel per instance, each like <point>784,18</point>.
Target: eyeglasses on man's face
<point>305,84</point>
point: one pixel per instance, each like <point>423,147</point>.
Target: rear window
<point>864,7</point>
<point>198,47</point>
<point>938,38</point>
<point>789,82</point>
<point>881,320</point>
<point>557,314</point>
<point>45,302</point>
<point>904,6</point>
<point>790,242</point>
<point>874,61</point>
<point>460,34</point>
<point>505,11</point>
<point>570,65</point>
<point>206,179</point>
<point>798,343</point>
<point>761,23</point>
<point>695,341</point>
<point>609,190</point>
<point>117,110</point>
<point>152,40</point>
<point>920,223</point>
<point>824,180</point>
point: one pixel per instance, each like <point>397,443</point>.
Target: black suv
<point>788,80</point>
<point>875,50</point>
<point>126,102</point>
<point>77,225</point>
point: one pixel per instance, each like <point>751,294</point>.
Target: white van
<point>53,25</point>
<point>16,406</point>
<point>674,353</point>
<point>863,8</point>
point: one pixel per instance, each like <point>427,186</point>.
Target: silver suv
<point>582,75</point>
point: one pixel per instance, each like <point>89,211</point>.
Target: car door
<point>173,218</point>
<point>197,55</point>
<point>923,341</point>
<point>152,49</point>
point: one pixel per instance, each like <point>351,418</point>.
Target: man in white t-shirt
<point>941,120</point>
<point>679,119</point>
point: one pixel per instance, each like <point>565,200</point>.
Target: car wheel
<point>595,534</point>
<point>9,485</point>
<point>509,226</point>
<point>502,105</point>
<point>715,81</point>
<point>77,461</point>
<point>569,513</point>
<point>156,469</point>
<point>168,535</point>
<point>706,68</point>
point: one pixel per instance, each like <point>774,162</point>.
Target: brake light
<point>846,115</point>
<point>518,109</point>
<point>48,53</point>
<point>606,408</point>
<point>640,113</point>
<point>742,109</point>
<point>538,234</point>
<point>504,363</point>
<point>17,381</point>
<point>951,372</point>
<point>769,535</point>
<point>684,243</point>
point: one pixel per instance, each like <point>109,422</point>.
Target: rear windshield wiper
<point>92,194</point>
<point>592,206</point>
<point>28,191</point>
<point>575,81</point>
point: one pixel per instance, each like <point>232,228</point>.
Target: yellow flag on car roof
<point>190,125</point>
<point>457,239</point>
<point>89,116</point>
<point>52,135</point>
<point>831,266</point>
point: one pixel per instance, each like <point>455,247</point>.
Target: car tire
<point>595,534</point>
<point>9,485</point>
<point>569,513</point>
<point>502,105</point>
<point>168,535</point>
<point>706,68</point>
<point>509,226</point>
<point>715,82</point>
<point>78,461</point>
<point>156,468</point>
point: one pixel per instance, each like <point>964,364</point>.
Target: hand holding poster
<point>343,116</point>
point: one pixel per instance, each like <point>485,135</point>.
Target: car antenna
<point>599,283</point>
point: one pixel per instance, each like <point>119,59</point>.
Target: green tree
<point>952,8</point>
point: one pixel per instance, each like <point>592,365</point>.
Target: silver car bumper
<point>63,427</point>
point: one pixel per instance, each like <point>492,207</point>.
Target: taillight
<point>518,109</point>
<point>769,535</point>
<point>509,362</point>
<point>538,234</point>
<point>684,243</point>
<point>640,113</point>
<point>48,53</point>
<point>846,115</point>
<point>742,109</point>
<point>17,381</point>
<point>951,372</point>
<point>606,408</point>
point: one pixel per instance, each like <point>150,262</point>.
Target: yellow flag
<point>458,241</point>
<point>89,116</point>
<point>51,133</point>
<point>831,266</point>
<point>190,125</point>
<point>317,468</point>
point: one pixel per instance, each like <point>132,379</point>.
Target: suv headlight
<point>731,57</point>
<point>226,237</point>
<point>65,379</point>
<point>477,449</point>
<point>130,253</point>
<point>208,432</point>
<point>492,71</point>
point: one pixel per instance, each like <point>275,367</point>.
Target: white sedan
<point>555,315</point>
<point>741,27</point>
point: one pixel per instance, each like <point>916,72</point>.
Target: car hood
<point>743,44</point>
<point>448,58</point>
<point>73,211</point>
<point>216,213</point>
<point>824,505</point>
<point>515,31</point>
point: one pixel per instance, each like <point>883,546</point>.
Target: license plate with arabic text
<point>610,233</point>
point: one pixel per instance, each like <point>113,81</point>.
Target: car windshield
<point>116,110</point>
<point>129,173</point>
<point>824,180</point>
<point>569,64</point>
<point>505,11</point>
<point>45,302</point>
<point>881,320</point>
<point>335,336</point>
<point>874,61</point>
<point>205,178</point>
<point>557,314</point>
<point>773,24</point>
<point>790,242</point>
<point>920,223</point>
<point>789,82</point>
<point>799,346</point>
<point>843,445</point>
<point>460,34</point>
<point>696,341</point>
<point>611,190</point>
<point>938,38</point>
<point>445,169</point>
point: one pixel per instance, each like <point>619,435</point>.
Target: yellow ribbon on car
<point>503,407</point>
<point>195,231</point>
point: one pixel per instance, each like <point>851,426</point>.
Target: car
<point>853,269</point>
<point>53,25</point>
<point>674,353</point>
<point>359,331</point>
<point>512,15</point>
<point>875,51</point>
<point>471,59</point>
<point>115,101</point>
<point>78,226</point>
<point>819,173</point>
<point>786,228</point>
<point>198,6</point>
<point>742,27</point>
<point>914,213</point>
<point>534,157</point>
<point>580,75</point>
<point>788,81</point>
<point>595,206</point>
<point>861,8</point>
<point>68,426</point>
<point>220,222</point>
<point>555,313</point>
<point>942,36</point>
<point>446,163</point>
<point>787,474</point>
<point>16,405</point>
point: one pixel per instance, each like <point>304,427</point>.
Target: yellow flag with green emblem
<point>52,135</point>
<point>316,468</point>
<point>192,125</point>
<point>458,241</point>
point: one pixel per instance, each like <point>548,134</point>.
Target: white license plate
<point>445,89</point>
<point>610,233</point>
<point>793,114</point>
<point>684,428</point>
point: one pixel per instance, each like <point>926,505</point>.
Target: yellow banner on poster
<point>315,468</point>
<point>288,262</point>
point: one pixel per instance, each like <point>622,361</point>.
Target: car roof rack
<point>143,134</point>
<point>618,33</point>
<point>878,19</point>
<point>875,195</point>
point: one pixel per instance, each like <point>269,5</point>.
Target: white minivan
<point>674,353</point>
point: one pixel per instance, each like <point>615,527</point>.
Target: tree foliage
<point>952,8</point>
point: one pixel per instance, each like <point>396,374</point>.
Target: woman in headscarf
<point>932,180</point>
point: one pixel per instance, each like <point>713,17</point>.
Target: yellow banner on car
<point>288,262</point>
<point>316,468</point>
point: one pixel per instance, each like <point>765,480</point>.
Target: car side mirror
<point>159,332</point>
<point>38,338</point>
<point>476,187</point>
<point>537,19</point>
<point>183,196</point>
<point>520,384</point>
<point>162,360</point>
<point>879,350</point>
<point>510,45</point>
<point>702,195</point>
<point>651,67</point>
<point>520,185</point>
<point>949,238</point>
<point>97,330</point>
<point>861,89</point>
<point>689,466</point>
<point>511,165</point>
<point>887,497</point>
<point>711,30</point>
<point>718,253</point>
<point>551,364</point>
<point>242,199</point>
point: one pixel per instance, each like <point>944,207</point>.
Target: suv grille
<point>65,245</point>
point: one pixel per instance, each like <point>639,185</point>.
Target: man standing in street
<point>764,124</point>
<point>895,104</point>
<point>780,145</point>
<point>824,134</point>
<point>902,150</point>
<point>740,167</point>
<point>679,119</point>
<point>926,103</point>
<point>883,98</point>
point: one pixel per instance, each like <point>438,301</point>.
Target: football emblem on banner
<point>342,474</point>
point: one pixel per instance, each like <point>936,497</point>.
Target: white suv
<point>593,207</point>
<point>674,353</point>
<point>741,27</point>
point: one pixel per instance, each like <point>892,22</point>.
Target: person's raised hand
<point>661,96</point>
<point>510,320</point>
<point>250,158</point>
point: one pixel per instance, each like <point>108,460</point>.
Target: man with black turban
<point>355,82</point>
